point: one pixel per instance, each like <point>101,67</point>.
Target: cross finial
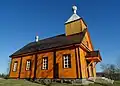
<point>36,37</point>
<point>74,8</point>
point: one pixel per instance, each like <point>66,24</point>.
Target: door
<point>57,71</point>
<point>55,67</point>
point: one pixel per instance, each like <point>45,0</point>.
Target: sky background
<point>21,20</point>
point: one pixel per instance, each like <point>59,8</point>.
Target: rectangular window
<point>45,63</point>
<point>67,61</point>
<point>15,66</point>
<point>28,65</point>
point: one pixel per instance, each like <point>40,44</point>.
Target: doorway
<point>56,76</point>
<point>55,67</point>
<point>90,69</point>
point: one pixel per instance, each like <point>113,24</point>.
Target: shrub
<point>5,76</point>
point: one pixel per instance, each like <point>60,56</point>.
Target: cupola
<point>74,24</point>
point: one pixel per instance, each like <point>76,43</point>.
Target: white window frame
<point>66,60</point>
<point>15,66</point>
<point>28,64</point>
<point>45,63</point>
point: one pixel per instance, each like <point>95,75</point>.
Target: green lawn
<point>12,82</point>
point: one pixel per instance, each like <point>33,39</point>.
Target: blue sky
<point>20,20</point>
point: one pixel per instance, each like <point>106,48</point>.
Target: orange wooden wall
<point>63,72</point>
<point>66,72</point>
<point>15,74</point>
<point>83,63</point>
<point>27,73</point>
<point>40,73</point>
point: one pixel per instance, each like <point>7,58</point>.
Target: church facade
<point>65,56</point>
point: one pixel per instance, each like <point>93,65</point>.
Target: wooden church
<point>65,56</point>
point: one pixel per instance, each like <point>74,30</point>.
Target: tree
<point>110,71</point>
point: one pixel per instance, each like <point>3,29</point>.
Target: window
<point>45,63</point>
<point>15,66</point>
<point>67,61</point>
<point>28,65</point>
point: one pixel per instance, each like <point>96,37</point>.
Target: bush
<point>5,76</point>
<point>115,76</point>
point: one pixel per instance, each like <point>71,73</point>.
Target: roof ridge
<point>52,37</point>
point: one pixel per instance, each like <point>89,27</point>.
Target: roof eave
<point>46,50</point>
<point>72,21</point>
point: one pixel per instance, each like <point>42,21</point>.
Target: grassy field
<point>11,82</point>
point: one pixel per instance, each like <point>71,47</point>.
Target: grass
<point>12,82</point>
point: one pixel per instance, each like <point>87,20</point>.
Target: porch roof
<point>94,55</point>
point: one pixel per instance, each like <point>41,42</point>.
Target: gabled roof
<point>52,42</point>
